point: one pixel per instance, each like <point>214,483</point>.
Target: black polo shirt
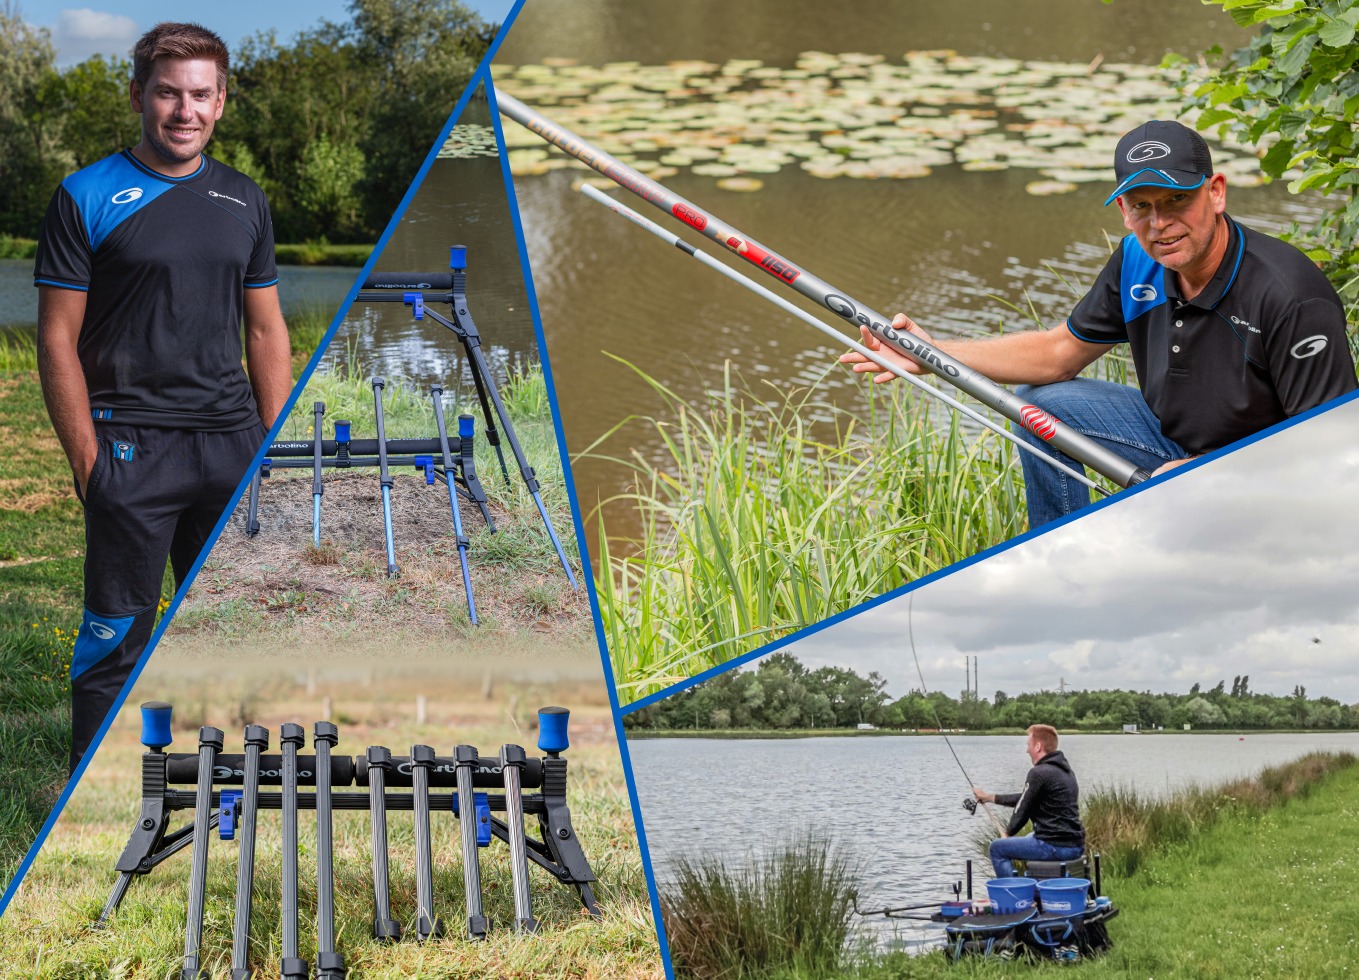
<point>1265,340</point>
<point>164,261</point>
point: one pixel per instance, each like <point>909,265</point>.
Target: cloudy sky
<point>112,28</point>
<point>1231,568</point>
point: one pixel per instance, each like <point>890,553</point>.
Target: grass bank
<point>42,540</point>
<point>1250,878</point>
<point>759,522</point>
<point>304,253</point>
<point>45,931</point>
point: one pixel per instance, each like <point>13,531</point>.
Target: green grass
<point>789,911</point>
<point>758,522</point>
<point>322,253</point>
<point>1247,879</point>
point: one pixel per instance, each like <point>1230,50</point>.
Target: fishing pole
<point>624,211</point>
<point>910,631</point>
<point>1062,437</point>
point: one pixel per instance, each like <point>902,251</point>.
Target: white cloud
<point>82,32</point>
<point>1230,569</point>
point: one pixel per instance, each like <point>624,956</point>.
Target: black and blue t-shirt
<point>1265,339</point>
<point>165,261</point>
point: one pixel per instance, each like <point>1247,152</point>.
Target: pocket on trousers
<point>101,459</point>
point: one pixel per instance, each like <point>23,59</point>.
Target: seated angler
<point>1050,799</point>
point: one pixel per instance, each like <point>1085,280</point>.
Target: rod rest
<point>367,447</point>
<point>181,768</point>
<point>399,281</point>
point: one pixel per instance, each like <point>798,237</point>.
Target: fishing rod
<point>910,631</point>
<point>624,211</point>
<point>1062,437</point>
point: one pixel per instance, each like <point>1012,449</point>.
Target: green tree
<point>97,116</point>
<point>1295,90</point>
<point>32,158</point>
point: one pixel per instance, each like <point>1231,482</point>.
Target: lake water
<point>895,803</point>
<point>953,248</point>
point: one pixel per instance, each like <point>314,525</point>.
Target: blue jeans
<point>1006,850</point>
<point>1115,415</point>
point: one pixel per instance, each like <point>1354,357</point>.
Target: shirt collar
<point>1225,277</point>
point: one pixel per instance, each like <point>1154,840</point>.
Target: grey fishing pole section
<point>624,211</point>
<point>1061,436</point>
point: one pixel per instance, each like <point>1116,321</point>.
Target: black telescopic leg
<point>292,967</point>
<point>512,761</point>
<point>436,396</point>
<point>428,925</point>
<point>385,928</point>
<point>256,741</point>
<point>329,963</point>
<point>318,410</point>
<point>466,759</point>
<point>385,477</point>
<point>467,460</point>
<point>209,744</point>
<point>252,518</point>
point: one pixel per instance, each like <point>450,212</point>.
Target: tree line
<point>782,694</point>
<point>332,126</point>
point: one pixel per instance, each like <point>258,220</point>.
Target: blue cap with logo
<point>1161,153</point>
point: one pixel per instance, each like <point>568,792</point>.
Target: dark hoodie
<point>1051,800</point>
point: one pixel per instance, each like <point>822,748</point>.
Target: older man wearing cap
<point>1231,330</point>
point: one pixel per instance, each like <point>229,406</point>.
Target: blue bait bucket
<point>1063,896</point>
<point>1011,894</point>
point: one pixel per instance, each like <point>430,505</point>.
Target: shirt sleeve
<point>64,251</point>
<point>261,271</point>
<point>1309,356</point>
<point>1098,317</point>
<point>1023,805</point>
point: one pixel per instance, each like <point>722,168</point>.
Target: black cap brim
<point>1150,177</point>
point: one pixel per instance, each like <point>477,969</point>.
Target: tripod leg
<point>466,757</point>
<point>385,477</point>
<point>512,761</point>
<point>428,925</point>
<point>256,741</point>
<point>385,928</point>
<point>436,397</point>
<point>329,963</point>
<point>318,410</point>
<point>292,967</point>
<point>209,744</point>
<point>252,519</point>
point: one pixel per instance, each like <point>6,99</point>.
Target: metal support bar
<point>428,925</point>
<point>256,741</point>
<point>292,967</point>
<point>329,963</point>
<point>385,928</point>
<point>385,477</point>
<point>512,760</point>
<point>466,756</point>
<point>318,411</point>
<point>209,744</point>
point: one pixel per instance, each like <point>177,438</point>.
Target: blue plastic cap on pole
<point>341,431</point>
<point>467,426</point>
<point>457,257</point>
<point>156,725</point>
<point>552,737</point>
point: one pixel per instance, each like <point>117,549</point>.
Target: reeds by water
<point>759,521</point>
<point>789,911</point>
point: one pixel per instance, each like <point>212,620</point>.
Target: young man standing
<point>148,261</point>
<point>1231,330</point>
<point>1050,799</point>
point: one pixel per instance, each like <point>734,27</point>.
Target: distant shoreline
<point>752,733</point>
<point>301,254</point>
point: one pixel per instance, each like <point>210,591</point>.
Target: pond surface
<point>954,248</point>
<point>462,201</point>
<point>894,803</point>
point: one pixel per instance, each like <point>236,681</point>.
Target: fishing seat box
<point>1044,870</point>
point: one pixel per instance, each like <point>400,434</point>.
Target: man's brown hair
<point>172,40</point>
<point>1046,736</point>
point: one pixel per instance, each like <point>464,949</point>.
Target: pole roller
<point>1062,438</point>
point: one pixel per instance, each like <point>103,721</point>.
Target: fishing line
<point>910,631</point>
<point>1062,437</point>
<point>626,212</point>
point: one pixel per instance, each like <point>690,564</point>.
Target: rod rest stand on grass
<point>446,459</point>
<point>218,804</point>
<point>416,289</point>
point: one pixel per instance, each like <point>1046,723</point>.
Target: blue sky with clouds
<point>111,28</point>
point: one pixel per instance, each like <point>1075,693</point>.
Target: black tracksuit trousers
<point>153,494</point>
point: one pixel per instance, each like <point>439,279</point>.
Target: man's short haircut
<point>173,40</point>
<point>1046,736</point>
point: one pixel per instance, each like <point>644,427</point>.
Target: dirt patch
<point>277,586</point>
<point>19,496</point>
